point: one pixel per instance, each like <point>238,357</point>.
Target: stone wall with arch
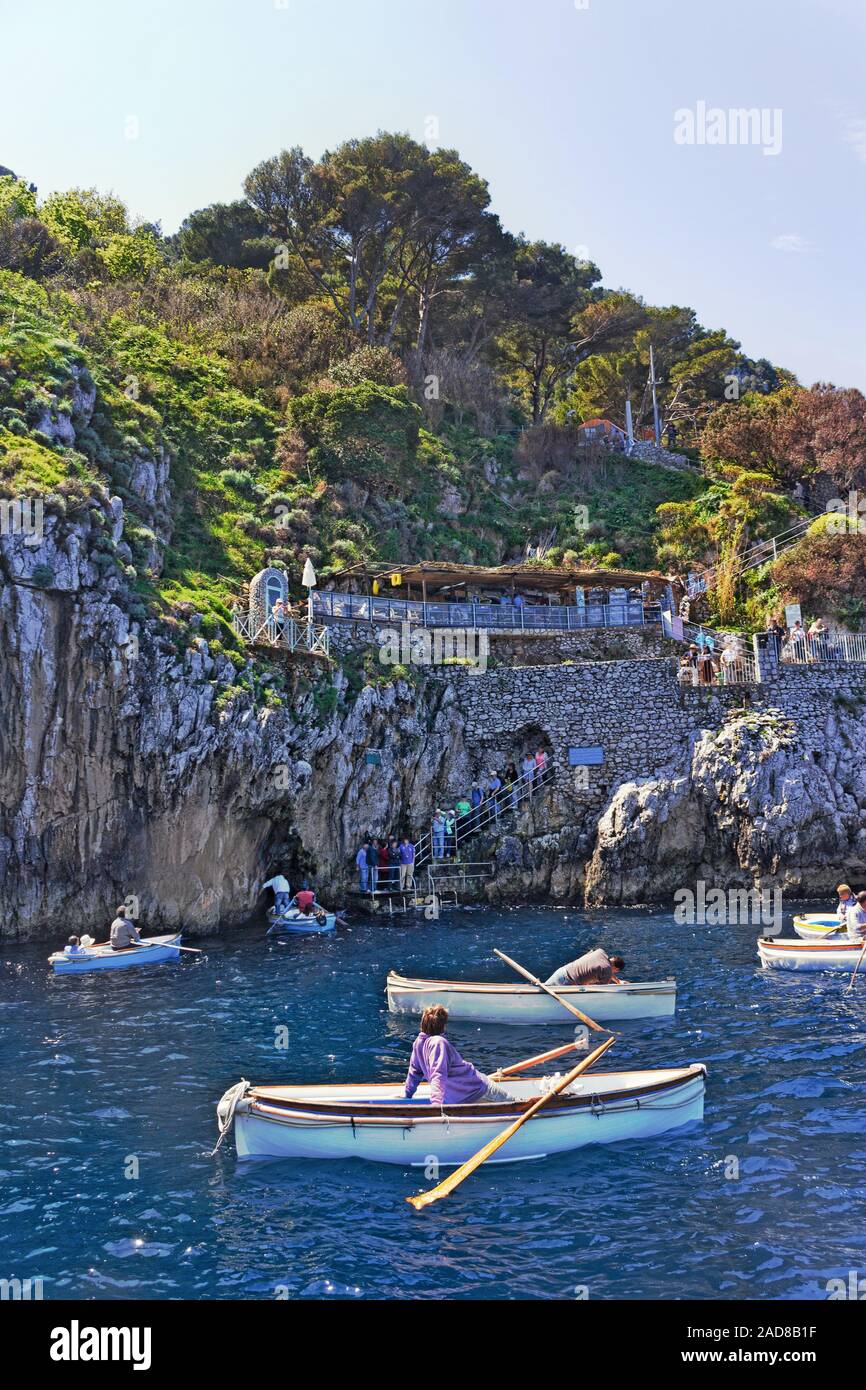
<point>267,588</point>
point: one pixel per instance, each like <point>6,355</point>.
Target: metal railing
<point>507,799</point>
<point>288,634</point>
<point>630,612</point>
<point>739,669</point>
<point>826,647</point>
<point>760,553</point>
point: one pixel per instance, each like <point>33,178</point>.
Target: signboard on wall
<point>792,614</point>
<point>373,759</point>
<point>585,757</point>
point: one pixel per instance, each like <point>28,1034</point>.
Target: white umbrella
<point>309,582</point>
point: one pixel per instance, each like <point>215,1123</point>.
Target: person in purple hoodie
<point>453,1081</point>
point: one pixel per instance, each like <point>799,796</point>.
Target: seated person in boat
<point>123,932</point>
<point>594,968</point>
<point>453,1081</point>
<point>855,918</point>
<point>74,948</point>
<point>282,892</point>
<point>847,902</point>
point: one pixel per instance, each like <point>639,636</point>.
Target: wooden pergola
<point>444,581</point>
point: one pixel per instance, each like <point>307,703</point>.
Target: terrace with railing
<point>825,648</point>
<point>329,605</point>
<point>284,633</point>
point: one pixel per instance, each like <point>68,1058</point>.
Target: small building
<point>601,431</point>
<point>268,587</point>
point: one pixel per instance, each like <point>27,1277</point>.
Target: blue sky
<point>567,111</point>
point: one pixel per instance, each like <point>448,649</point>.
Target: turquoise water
<point>108,1074</point>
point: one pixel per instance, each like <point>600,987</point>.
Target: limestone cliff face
<point>745,806</point>
<point>128,769</point>
<point>134,766</point>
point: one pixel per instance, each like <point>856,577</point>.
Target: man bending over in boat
<point>305,901</point>
<point>123,933</point>
<point>282,892</point>
<point>595,968</point>
<point>453,1081</point>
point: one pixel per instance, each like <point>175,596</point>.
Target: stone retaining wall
<point>545,648</point>
<point>634,710</point>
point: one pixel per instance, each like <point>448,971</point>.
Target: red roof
<point>608,425</point>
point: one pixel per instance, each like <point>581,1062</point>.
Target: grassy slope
<point>228,472</point>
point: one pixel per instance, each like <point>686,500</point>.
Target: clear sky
<point>566,107</point>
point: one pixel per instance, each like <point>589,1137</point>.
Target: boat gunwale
<point>346,1112</point>
<point>801,943</point>
<point>417,985</point>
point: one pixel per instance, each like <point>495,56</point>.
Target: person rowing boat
<point>593,968</point>
<point>123,933</point>
<point>453,1080</point>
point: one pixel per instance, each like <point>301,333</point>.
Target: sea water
<point>109,1081</point>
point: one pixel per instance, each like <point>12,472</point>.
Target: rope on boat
<point>230,1100</point>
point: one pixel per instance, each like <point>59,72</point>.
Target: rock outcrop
<point>744,807</point>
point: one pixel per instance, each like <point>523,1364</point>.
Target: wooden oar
<point>856,967</point>
<point>535,1061</point>
<point>456,1178</point>
<point>552,992</point>
<point>193,950</point>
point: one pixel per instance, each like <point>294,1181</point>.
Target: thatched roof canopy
<point>438,575</point>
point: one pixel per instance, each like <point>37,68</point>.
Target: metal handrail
<point>759,553</point>
<point>508,798</point>
<point>825,648</point>
<point>631,611</point>
<point>288,634</point>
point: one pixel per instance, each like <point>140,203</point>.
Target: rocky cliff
<point>140,763</point>
<point>128,767</point>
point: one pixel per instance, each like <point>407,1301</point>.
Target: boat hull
<point>159,948</point>
<point>604,1108</point>
<point>816,926</point>
<point>796,954</point>
<point>297,924</point>
<point>526,1004</point>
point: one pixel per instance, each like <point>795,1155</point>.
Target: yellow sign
<point>396,580</point>
<point>375,586</point>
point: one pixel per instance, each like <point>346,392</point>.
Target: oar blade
<point>425,1199</point>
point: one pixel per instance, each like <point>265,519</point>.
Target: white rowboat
<point>815,926</point>
<point>153,950</point>
<point>376,1122</point>
<point>792,953</point>
<point>527,1004</point>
